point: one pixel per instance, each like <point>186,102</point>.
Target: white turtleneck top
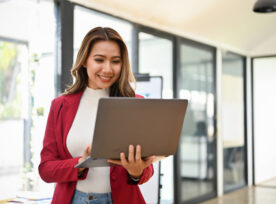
<point>81,134</point>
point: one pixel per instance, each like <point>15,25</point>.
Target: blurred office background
<point>219,54</point>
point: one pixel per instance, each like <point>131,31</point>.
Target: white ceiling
<point>229,24</point>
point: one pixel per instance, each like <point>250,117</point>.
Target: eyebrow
<point>99,55</point>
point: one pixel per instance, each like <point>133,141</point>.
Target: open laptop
<point>155,124</point>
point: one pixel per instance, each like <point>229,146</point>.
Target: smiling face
<point>103,64</point>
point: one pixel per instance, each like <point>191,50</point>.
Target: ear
<point>84,65</point>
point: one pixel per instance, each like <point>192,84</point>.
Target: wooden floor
<point>264,193</point>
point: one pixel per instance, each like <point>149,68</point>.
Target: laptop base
<point>89,162</point>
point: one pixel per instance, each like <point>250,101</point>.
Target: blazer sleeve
<point>147,174</point>
<point>52,167</point>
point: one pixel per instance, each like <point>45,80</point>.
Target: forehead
<point>106,47</point>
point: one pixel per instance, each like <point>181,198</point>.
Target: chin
<point>105,86</point>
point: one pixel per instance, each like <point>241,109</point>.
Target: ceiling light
<point>265,6</point>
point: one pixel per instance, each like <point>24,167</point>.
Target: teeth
<point>105,77</point>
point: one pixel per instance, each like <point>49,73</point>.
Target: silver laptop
<point>155,124</point>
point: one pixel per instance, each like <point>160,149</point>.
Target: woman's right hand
<point>85,154</point>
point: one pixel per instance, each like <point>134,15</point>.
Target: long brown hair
<point>122,86</point>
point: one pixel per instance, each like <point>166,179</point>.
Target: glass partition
<point>195,82</point>
<point>26,91</point>
<point>13,114</point>
<point>159,64</point>
<point>233,122</point>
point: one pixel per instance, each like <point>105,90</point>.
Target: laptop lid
<point>155,124</point>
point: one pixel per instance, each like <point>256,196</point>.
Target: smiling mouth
<point>105,77</point>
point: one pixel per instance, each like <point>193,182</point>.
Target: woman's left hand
<point>134,165</point>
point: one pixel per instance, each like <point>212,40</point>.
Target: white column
<point>219,122</point>
<point>249,122</point>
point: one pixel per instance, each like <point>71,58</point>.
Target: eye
<point>99,60</point>
<point>116,61</point>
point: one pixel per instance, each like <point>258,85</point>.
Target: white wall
<point>264,118</point>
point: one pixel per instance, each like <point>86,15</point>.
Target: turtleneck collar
<point>96,92</point>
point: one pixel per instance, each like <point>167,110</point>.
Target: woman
<point>101,70</point>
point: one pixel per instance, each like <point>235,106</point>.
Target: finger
<point>149,161</point>
<point>151,157</point>
<point>112,161</point>
<point>138,153</point>
<point>158,158</point>
<point>123,159</point>
<point>86,152</point>
<point>131,153</point>
<point>89,147</point>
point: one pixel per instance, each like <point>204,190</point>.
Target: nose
<point>107,68</point>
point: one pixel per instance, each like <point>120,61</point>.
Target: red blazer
<point>57,165</point>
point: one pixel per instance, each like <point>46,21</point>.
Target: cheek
<point>89,73</point>
<point>92,68</point>
<point>117,70</point>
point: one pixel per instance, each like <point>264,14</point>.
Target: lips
<point>105,78</point>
